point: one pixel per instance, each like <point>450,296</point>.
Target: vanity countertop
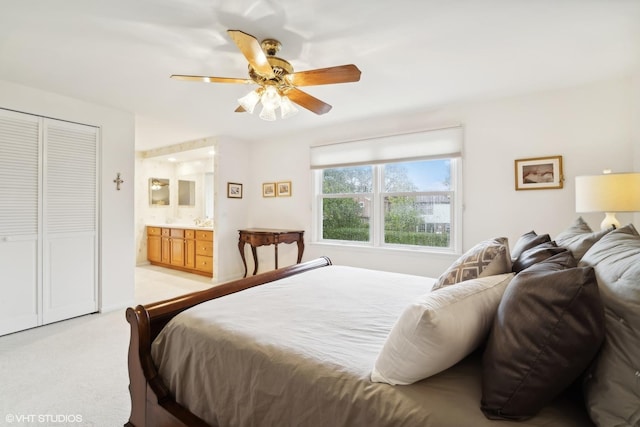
<point>183,226</point>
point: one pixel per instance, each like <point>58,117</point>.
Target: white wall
<point>116,275</point>
<point>590,126</point>
<point>230,214</point>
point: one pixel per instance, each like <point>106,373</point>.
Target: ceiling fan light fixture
<point>268,113</point>
<point>271,98</point>
<point>287,109</point>
<point>249,101</point>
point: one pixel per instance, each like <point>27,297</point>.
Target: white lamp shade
<point>608,193</point>
<point>268,113</point>
<point>270,98</point>
<point>287,109</point>
<point>249,101</point>
<point>618,192</point>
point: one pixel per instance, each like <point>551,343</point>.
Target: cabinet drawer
<point>204,263</point>
<point>189,234</point>
<point>177,232</point>
<point>204,235</point>
<point>204,248</point>
<point>166,232</point>
<point>154,231</point>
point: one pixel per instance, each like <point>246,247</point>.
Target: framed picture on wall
<point>269,189</point>
<point>284,188</point>
<point>539,173</point>
<point>234,190</point>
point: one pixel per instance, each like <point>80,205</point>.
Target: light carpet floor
<point>74,372</point>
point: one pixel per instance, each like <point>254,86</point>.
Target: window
<point>388,202</point>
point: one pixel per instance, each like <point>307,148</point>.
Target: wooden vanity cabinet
<point>176,240</point>
<point>182,249</point>
<point>204,251</point>
<point>190,248</point>
<point>154,244</point>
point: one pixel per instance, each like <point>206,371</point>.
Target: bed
<point>296,346</point>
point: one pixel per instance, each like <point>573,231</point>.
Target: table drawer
<point>204,263</point>
<point>204,248</point>
<point>258,239</point>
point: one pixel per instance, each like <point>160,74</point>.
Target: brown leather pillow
<point>528,241</point>
<point>535,255</point>
<point>548,327</point>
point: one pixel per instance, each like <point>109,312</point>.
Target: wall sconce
<point>608,193</point>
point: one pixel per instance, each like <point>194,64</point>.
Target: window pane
<point>421,220</point>
<point>346,218</point>
<point>427,175</point>
<point>357,179</point>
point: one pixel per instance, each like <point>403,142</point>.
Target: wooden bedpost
<point>139,321</point>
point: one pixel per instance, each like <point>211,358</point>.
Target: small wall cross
<point>118,181</point>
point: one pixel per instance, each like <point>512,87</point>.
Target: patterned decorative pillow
<point>528,241</point>
<point>487,258</point>
<point>579,237</point>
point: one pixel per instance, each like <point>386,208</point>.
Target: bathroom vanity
<point>187,249</point>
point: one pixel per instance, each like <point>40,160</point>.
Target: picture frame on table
<point>539,173</point>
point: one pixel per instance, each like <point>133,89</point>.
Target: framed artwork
<point>234,190</point>
<point>539,173</point>
<point>284,188</point>
<point>269,189</point>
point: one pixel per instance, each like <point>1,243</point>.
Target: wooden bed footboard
<point>151,402</point>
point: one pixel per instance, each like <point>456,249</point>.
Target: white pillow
<point>439,329</point>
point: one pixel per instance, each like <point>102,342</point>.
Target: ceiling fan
<point>278,83</point>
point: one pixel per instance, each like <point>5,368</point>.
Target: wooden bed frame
<point>151,401</point>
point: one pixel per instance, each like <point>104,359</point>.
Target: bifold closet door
<point>70,220</point>
<point>20,274</point>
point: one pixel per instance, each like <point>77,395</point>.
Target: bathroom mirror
<point>158,191</point>
<point>186,193</point>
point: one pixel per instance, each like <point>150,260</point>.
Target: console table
<point>268,236</point>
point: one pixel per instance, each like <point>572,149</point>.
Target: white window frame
<point>330,154</point>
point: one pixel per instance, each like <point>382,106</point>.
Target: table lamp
<point>609,193</point>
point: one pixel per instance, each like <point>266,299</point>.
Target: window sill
<point>388,249</point>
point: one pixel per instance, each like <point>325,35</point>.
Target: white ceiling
<point>414,54</point>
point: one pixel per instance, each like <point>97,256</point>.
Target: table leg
<point>255,259</point>
<point>300,248</point>
<point>244,261</point>
<point>276,250</point>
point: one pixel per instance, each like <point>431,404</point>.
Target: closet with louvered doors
<point>48,220</point>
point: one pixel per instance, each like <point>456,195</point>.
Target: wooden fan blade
<point>250,48</point>
<point>324,76</point>
<point>240,109</point>
<point>210,79</point>
<point>307,101</point>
